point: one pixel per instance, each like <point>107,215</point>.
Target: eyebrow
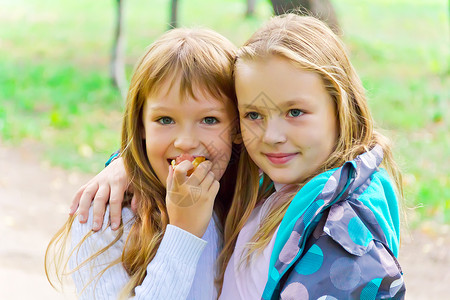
<point>167,108</point>
<point>287,103</point>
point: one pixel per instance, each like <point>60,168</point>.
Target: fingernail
<point>71,211</point>
<point>81,218</point>
<point>114,226</point>
<point>95,226</point>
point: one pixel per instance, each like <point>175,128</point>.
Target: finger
<point>208,181</point>
<point>200,173</point>
<point>115,205</point>
<point>85,201</point>
<point>76,200</point>
<point>180,172</point>
<point>169,180</point>
<point>214,189</point>
<point>101,197</point>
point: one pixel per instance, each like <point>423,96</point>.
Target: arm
<point>179,251</point>
<point>106,187</point>
<point>187,213</point>
<point>181,272</point>
<point>170,275</point>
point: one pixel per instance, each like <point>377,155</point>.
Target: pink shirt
<point>242,281</point>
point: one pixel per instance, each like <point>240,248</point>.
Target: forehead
<point>274,80</point>
<point>171,98</point>
<point>171,92</point>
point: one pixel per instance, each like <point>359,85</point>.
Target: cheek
<point>155,146</point>
<point>332,131</point>
<point>251,131</point>
<point>219,147</point>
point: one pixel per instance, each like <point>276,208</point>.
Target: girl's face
<point>288,120</point>
<point>199,127</point>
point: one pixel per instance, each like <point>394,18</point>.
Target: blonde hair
<point>308,44</point>
<point>203,61</point>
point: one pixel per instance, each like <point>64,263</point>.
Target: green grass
<point>54,85</point>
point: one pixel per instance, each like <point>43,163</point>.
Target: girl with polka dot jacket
<point>324,222</point>
<point>316,208</point>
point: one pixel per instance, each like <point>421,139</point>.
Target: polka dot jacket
<point>343,243</point>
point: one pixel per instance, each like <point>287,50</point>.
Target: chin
<point>282,179</point>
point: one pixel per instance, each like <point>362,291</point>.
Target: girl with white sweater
<point>181,104</point>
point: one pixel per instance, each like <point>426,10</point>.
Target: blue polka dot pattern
<point>295,291</point>
<point>289,252</point>
<point>327,297</point>
<point>358,232</point>
<point>311,211</point>
<point>396,285</point>
<point>371,289</point>
<point>311,262</point>
<point>345,273</point>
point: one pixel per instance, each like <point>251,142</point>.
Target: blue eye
<point>210,120</point>
<point>295,113</point>
<point>253,115</point>
<point>165,121</point>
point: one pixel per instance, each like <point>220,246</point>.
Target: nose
<point>274,133</point>
<point>186,140</point>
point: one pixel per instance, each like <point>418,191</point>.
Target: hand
<point>109,185</point>
<point>190,200</point>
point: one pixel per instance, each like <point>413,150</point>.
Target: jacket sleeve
<point>169,275</point>
<point>333,269</point>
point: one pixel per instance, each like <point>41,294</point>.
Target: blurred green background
<point>55,87</point>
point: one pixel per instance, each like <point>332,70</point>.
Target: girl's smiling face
<point>174,125</point>
<point>288,120</point>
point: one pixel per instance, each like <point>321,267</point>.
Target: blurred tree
<point>117,64</point>
<point>173,14</point>
<point>322,9</point>
<point>250,8</point>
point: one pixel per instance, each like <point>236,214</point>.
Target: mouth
<point>170,159</point>
<point>280,158</point>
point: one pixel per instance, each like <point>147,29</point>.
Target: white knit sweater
<point>183,267</point>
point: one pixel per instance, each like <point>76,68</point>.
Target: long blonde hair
<point>308,44</point>
<point>203,59</point>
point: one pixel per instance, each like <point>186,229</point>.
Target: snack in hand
<point>195,161</point>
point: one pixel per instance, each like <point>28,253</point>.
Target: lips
<point>178,159</point>
<point>280,158</point>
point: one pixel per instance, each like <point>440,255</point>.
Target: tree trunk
<point>324,10</point>
<point>284,6</point>
<point>117,64</point>
<point>173,14</point>
<point>321,9</point>
<point>250,8</point>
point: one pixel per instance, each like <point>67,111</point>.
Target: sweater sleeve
<point>89,281</point>
<point>170,275</point>
<point>171,272</point>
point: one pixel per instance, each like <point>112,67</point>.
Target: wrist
<point>190,228</point>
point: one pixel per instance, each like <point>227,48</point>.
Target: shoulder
<point>380,197</point>
<point>369,213</point>
<point>380,186</point>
